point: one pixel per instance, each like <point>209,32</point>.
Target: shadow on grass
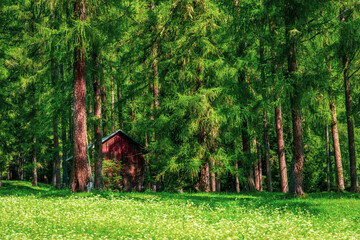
<point>19,188</point>
<point>314,204</point>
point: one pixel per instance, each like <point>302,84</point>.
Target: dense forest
<point>225,95</point>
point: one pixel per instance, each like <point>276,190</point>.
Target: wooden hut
<point>128,156</point>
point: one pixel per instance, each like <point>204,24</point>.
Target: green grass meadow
<point>28,212</point>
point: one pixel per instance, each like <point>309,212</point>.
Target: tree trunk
<point>336,144</point>
<point>104,109</point>
<point>119,105</point>
<point>350,127</point>
<point>237,183</point>
<point>298,152</point>
<point>278,122</point>
<point>267,154</point>
<point>81,168</point>
<point>204,184</point>
<point>213,178</point>
<point>133,113</point>
<point>260,171</point>
<point>112,105</point>
<point>21,170</point>
<point>99,182</point>
<point>64,156</point>
<point>328,161</point>
<point>246,150</point>
<point>0,179</point>
<point>71,148</point>
<point>295,107</point>
<point>218,185</point>
<point>281,150</point>
<point>56,169</point>
<point>256,168</point>
<point>349,116</point>
<point>35,177</point>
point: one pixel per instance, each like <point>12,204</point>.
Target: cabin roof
<point>104,139</point>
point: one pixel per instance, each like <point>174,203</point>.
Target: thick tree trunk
<point>99,182</point>
<point>81,168</point>
<point>267,154</point>
<point>295,108</point>
<point>336,144</point>
<point>204,184</point>
<point>35,177</point>
<point>298,153</point>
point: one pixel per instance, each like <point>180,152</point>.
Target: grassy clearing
<point>44,213</point>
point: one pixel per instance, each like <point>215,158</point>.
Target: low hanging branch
<point>356,4</point>
<point>318,33</point>
<point>354,72</point>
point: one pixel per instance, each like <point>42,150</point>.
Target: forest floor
<point>28,212</point>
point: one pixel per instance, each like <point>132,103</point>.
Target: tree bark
<point>81,168</point>
<point>112,105</point>
<point>213,178</point>
<point>267,154</point>
<point>204,184</point>
<point>119,105</point>
<point>104,109</point>
<point>350,126</point>
<point>21,169</point>
<point>349,118</point>
<point>256,167</point>
<point>295,107</point>
<point>35,177</point>
<point>237,183</point>
<point>260,170</point>
<point>298,152</point>
<point>336,144</point>
<point>99,182</point>
<point>56,169</point>
<point>278,123</point>
<point>328,160</point>
<point>64,151</point>
<point>218,185</point>
<point>246,150</point>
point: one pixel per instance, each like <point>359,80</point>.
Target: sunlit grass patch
<point>44,213</point>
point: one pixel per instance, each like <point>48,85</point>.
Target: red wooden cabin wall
<point>128,154</point>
